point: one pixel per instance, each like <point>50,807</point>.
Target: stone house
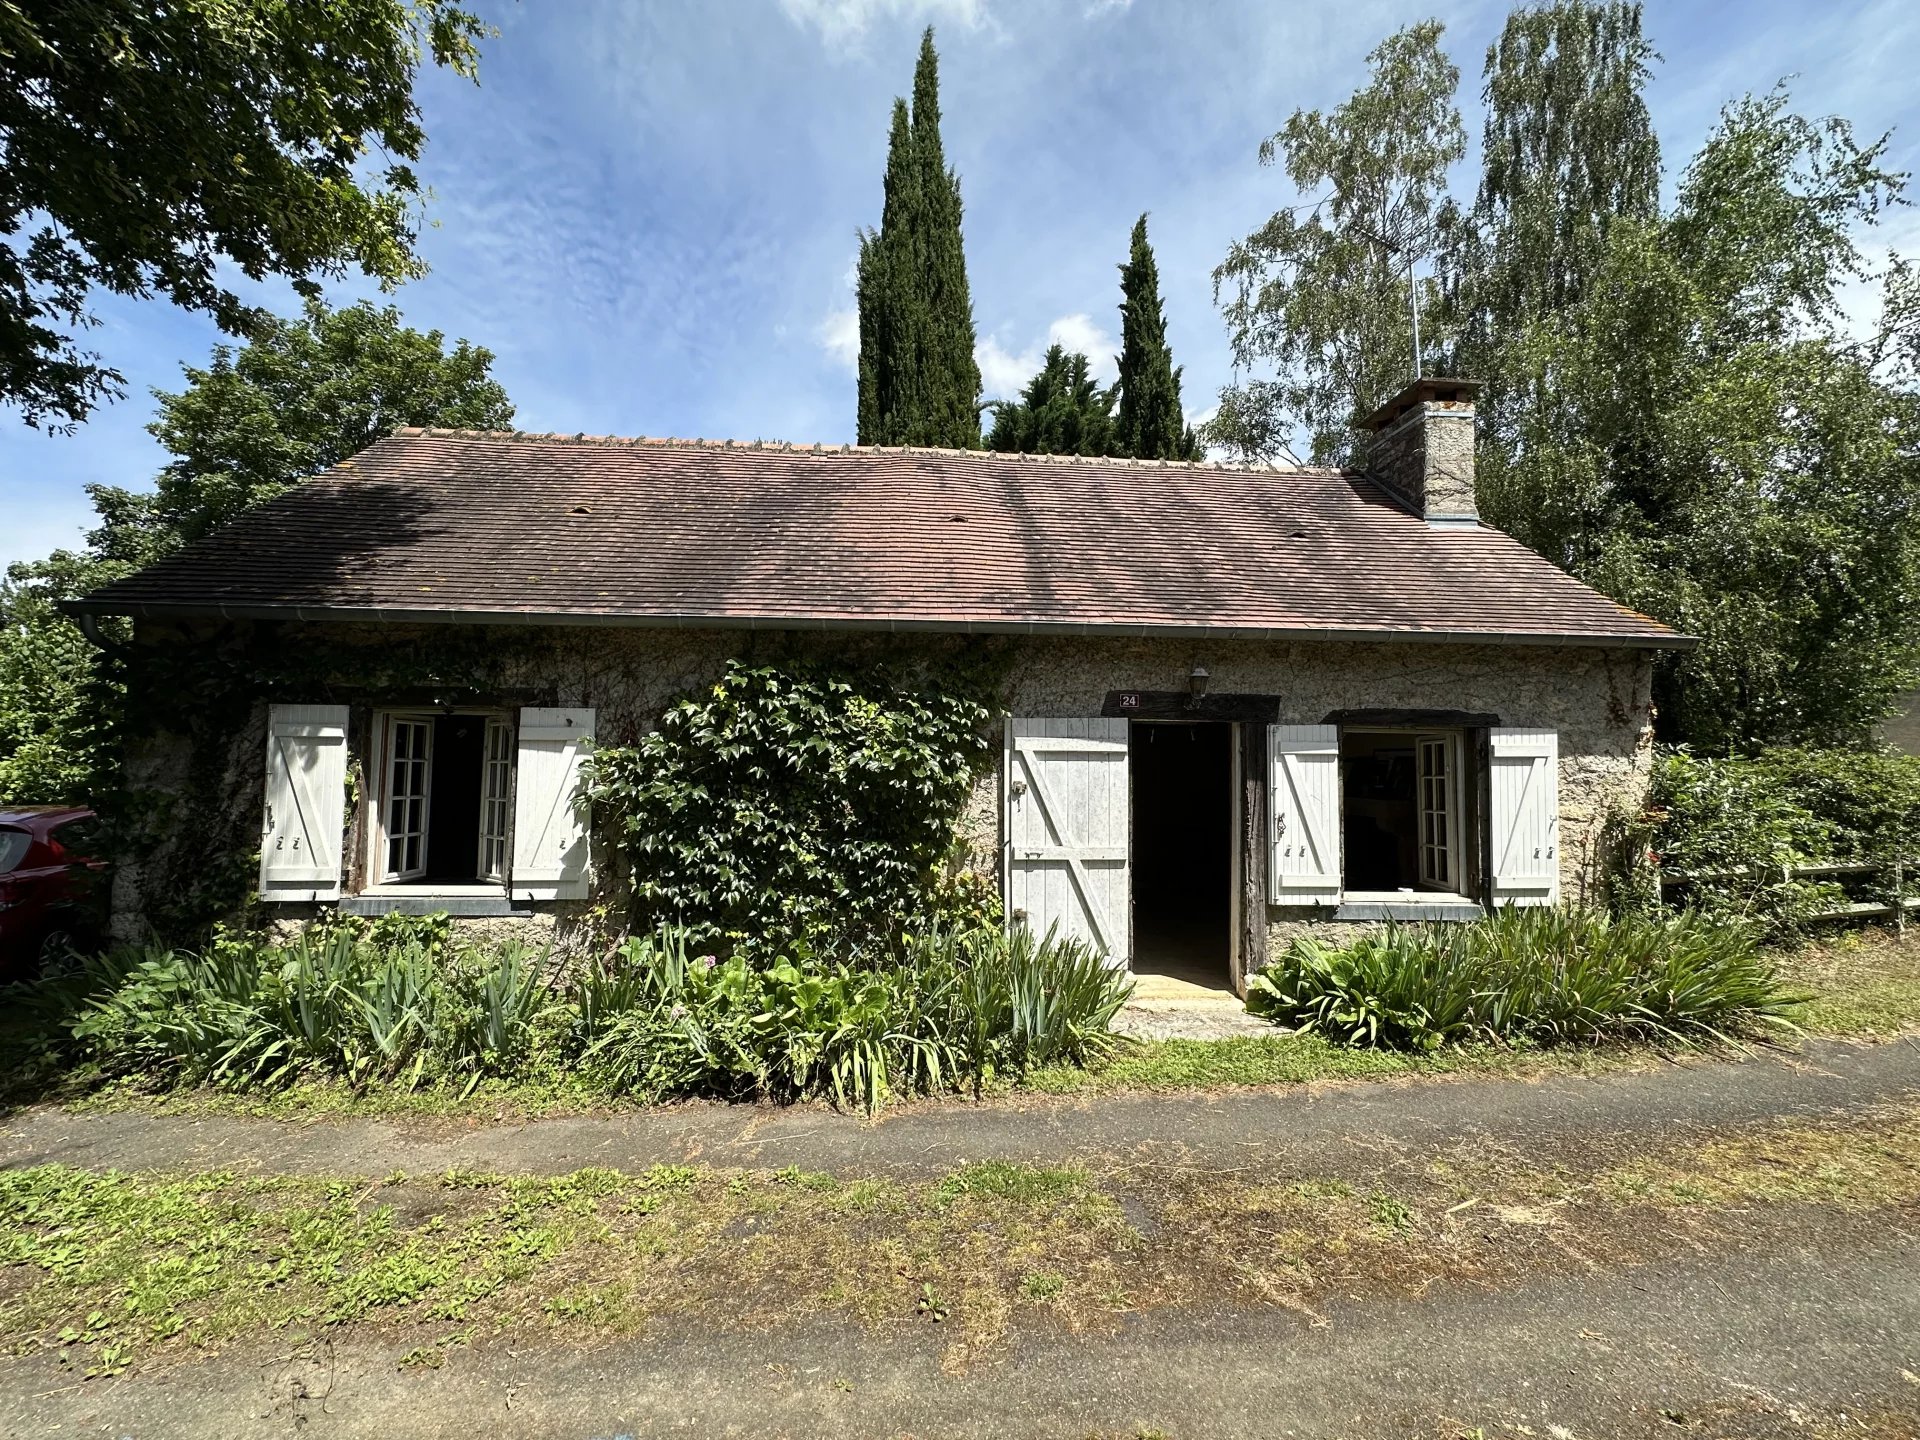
<point>1236,700</point>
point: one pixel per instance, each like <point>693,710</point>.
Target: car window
<point>13,848</point>
<point>79,838</point>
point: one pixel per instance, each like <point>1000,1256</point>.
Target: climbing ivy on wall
<point>799,801</point>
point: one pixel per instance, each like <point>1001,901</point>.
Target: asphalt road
<point>1310,1129</point>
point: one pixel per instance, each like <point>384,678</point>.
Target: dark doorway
<point>1182,780</point>
<point>453,821</point>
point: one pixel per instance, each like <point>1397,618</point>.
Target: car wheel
<point>58,954</point>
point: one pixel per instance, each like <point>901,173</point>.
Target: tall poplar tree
<point>919,382</point>
<point>1150,425</point>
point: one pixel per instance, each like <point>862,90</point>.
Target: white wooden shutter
<point>1067,828</point>
<point>1304,791</point>
<point>549,813</point>
<point>306,803</point>
<point>1525,817</point>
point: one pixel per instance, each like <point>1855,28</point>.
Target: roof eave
<point>336,614</point>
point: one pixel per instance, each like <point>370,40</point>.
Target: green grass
<point>106,1270</point>
<point>1864,984</point>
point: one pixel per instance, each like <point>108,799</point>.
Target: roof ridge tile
<point>801,447</point>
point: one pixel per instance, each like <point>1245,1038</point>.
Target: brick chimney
<point>1420,447</point>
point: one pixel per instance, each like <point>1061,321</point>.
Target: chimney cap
<point>1430,387</point>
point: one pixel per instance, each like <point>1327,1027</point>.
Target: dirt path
<point>1311,1129</point>
<point>1814,1341</point>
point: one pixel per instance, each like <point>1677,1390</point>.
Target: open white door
<point>1525,817</point>
<point>549,813</point>
<point>1067,822</point>
<point>306,802</point>
<point>1304,801</point>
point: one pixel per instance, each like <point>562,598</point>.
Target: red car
<point>53,892</point>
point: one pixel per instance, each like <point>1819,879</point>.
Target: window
<point>1388,820</point>
<point>82,839</point>
<point>496,801</point>
<point>14,845</point>
<point>459,804</point>
<point>1434,777</point>
<point>1401,804</point>
<point>445,799</point>
<point>409,746</point>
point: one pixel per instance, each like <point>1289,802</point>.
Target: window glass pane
<point>14,845</point>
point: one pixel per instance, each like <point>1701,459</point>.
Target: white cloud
<point>1096,8</point>
<point>839,336</point>
<point>1004,373</point>
<point>842,24</point>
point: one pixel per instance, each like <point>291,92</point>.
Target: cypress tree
<point>919,383</point>
<point>1063,411</point>
<point>890,310</point>
<point>1150,425</point>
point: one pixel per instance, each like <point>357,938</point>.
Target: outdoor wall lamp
<point>1197,681</point>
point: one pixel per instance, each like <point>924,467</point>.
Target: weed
<point>1043,1286</point>
<point>1005,1180</point>
<point>930,1305</point>
<point>1389,1212</point>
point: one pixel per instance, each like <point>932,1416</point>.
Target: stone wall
<point>1598,701</point>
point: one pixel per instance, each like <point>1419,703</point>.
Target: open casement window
<point>409,762</point>
<point>549,842</point>
<point>496,801</point>
<point>1436,782</point>
<point>1304,800</point>
<point>1524,816</point>
<point>306,802</point>
<point>1067,816</point>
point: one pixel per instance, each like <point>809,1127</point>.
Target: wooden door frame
<point>1249,954</point>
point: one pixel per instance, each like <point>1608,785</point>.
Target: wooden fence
<point>1894,908</point>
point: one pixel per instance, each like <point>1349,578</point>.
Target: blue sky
<point>648,211</point>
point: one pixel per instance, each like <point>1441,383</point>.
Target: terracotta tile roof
<point>508,527</point>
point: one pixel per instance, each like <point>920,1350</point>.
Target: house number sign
<point>1129,699</point>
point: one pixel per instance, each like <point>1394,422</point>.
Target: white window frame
<point>379,801</point>
<point>1423,892</point>
<point>1447,744</point>
<point>390,728</point>
<point>497,770</point>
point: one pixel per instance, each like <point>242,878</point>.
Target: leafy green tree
<point>1323,299</point>
<point>1150,424</point>
<point>1713,447</point>
<point>58,703</point>
<point>302,396</point>
<point>919,383</point>
<point>1063,411</point>
<point>257,420</point>
<point>147,146</point>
